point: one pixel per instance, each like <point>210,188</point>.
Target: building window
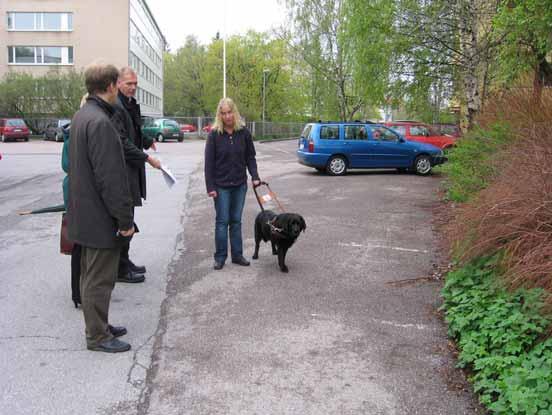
<point>40,55</point>
<point>43,22</point>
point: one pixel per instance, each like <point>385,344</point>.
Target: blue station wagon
<point>335,147</point>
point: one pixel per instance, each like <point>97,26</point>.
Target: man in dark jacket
<point>129,117</point>
<point>99,207</point>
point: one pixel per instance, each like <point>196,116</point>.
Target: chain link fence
<point>200,127</point>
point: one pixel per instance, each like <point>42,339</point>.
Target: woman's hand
<point>212,194</point>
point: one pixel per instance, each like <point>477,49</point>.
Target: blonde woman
<point>229,151</point>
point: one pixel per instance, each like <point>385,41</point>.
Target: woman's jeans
<point>229,206</point>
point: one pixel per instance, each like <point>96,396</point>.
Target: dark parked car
<point>335,147</point>
<point>13,129</point>
<point>54,130</point>
<point>161,129</point>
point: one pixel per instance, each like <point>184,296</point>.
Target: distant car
<point>54,130</point>
<point>207,128</point>
<point>161,129</point>
<point>188,128</point>
<point>13,129</point>
<point>423,133</point>
<point>335,147</point>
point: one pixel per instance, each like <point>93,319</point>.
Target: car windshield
<point>16,123</point>
<point>170,123</point>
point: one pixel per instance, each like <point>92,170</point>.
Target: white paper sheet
<point>168,176</point>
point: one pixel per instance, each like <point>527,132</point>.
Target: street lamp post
<point>265,73</point>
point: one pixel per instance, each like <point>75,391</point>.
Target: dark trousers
<point>98,275</point>
<point>124,261</point>
<point>75,273</point>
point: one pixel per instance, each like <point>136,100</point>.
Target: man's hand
<point>213,194</point>
<point>128,232</point>
<point>154,162</point>
<point>256,183</point>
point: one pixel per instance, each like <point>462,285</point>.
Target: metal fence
<point>200,126</point>
<point>260,130</point>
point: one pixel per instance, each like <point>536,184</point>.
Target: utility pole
<point>265,73</point>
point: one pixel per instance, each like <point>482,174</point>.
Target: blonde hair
<point>218,125</point>
<point>83,100</point>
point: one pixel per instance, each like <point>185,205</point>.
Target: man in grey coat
<point>129,117</point>
<point>100,207</point>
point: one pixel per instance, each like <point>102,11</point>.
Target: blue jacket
<point>226,158</point>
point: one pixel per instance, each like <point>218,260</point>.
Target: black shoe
<point>131,277</point>
<point>218,265</point>
<point>137,269</point>
<point>110,346</point>
<point>117,331</point>
<point>77,301</point>
<point>240,261</point>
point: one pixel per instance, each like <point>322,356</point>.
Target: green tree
<point>525,29</point>
<point>56,94</point>
<point>193,78</point>
<point>184,90</point>
<point>318,37</point>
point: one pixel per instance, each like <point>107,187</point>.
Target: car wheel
<point>26,139</point>
<point>160,138</point>
<point>422,165</point>
<point>180,139</point>
<point>45,136</point>
<point>337,166</point>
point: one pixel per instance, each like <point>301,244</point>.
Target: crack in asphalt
<point>138,383</point>
<point>171,291</point>
<point>29,337</point>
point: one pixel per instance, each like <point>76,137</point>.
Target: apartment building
<point>38,36</point>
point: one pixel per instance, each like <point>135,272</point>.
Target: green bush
<point>470,164</point>
<point>498,334</point>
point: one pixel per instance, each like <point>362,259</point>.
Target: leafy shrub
<point>499,334</point>
<point>472,163</point>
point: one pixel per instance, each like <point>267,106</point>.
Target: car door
<point>358,146</point>
<point>420,133</point>
<point>388,148</point>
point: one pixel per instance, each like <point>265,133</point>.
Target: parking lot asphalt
<point>352,329</point>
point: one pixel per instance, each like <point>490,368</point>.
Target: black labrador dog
<point>281,230</point>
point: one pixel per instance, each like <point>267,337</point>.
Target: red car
<point>448,129</point>
<point>13,129</point>
<point>188,128</point>
<point>207,128</point>
<point>423,133</point>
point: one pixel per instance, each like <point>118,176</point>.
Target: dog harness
<point>274,229</point>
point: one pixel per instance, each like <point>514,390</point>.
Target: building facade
<point>39,36</point>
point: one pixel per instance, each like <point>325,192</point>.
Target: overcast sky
<point>203,18</point>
